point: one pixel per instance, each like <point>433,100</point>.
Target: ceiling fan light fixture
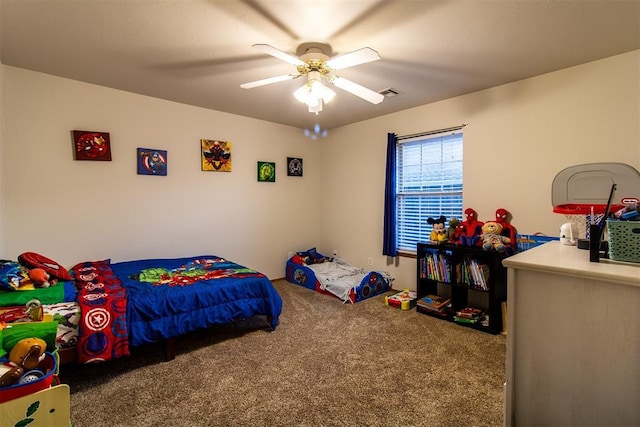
<point>316,108</point>
<point>314,93</point>
<point>315,62</point>
<point>305,95</point>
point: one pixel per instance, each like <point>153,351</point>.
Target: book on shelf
<point>435,266</point>
<point>434,302</point>
<point>472,273</point>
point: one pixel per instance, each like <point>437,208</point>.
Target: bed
<point>335,277</point>
<point>118,306</point>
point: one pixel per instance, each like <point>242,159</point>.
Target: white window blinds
<point>429,184</point>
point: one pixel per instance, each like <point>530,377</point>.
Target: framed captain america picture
<point>152,162</point>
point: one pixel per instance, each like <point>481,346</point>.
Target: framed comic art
<point>152,161</point>
<point>215,155</point>
<point>294,166</point>
<point>91,145</point>
<point>266,172</point>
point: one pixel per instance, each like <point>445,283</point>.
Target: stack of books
<point>435,304</point>
<point>470,315</point>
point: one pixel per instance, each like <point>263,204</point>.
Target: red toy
<point>508,230</point>
<point>459,233</point>
<point>473,228</point>
<point>39,277</point>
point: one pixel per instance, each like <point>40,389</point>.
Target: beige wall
<point>2,180</point>
<point>80,210</point>
<point>519,136</point>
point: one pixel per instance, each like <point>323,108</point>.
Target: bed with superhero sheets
<point>127,304</point>
<point>335,277</point>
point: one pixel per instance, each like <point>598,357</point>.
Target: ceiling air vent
<point>388,92</point>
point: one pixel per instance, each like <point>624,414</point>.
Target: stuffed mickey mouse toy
<point>439,233</point>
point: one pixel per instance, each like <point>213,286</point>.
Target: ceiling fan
<point>314,61</point>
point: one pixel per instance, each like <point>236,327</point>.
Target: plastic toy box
<point>404,300</point>
<point>48,369</point>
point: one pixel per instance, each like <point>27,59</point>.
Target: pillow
<point>297,259</point>
<point>11,274</point>
<point>34,260</point>
<point>310,256</point>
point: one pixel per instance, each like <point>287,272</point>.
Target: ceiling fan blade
<point>357,57</point>
<point>286,57</point>
<point>268,81</point>
<point>357,90</point>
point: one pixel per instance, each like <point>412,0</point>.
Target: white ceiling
<point>198,52</point>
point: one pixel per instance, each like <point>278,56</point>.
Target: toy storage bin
<point>624,240</point>
<point>48,366</point>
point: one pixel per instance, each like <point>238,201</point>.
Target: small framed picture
<point>294,166</point>
<point>266,172</point>
<point>216,155</point>
<point>152,161</point>
<point>91,145</point>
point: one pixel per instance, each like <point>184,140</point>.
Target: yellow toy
<point>28,352</point>
<point>439,233</point>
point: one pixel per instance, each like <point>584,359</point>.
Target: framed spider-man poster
<point>91,145</point>
<point>152,161</point>
<point>216,155</point>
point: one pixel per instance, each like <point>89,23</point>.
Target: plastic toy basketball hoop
<point>580,192</point>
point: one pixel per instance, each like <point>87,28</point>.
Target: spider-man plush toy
<point>473,228</point>
<point>508,230</point>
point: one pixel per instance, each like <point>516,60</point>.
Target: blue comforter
<point>170,297</point>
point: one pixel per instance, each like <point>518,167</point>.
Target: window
<point>428,184</point>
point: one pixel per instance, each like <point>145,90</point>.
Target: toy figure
<point>439,233</point>
<point>508,230</point>
<point>473,228</point>
<point>39,277</point>
<point>492,238</point>
<point>451,231</point>
<point>459,234</point>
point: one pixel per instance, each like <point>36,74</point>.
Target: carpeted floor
<point>327,364</point>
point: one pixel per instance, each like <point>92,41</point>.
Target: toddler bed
<point>127,304</point>
<point>335,277</point>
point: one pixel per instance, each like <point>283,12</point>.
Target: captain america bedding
<point>132,303</point>
<point>335,277</point>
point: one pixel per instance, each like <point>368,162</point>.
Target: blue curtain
<point>389,238</point>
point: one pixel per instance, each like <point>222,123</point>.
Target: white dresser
<point>573,343</point>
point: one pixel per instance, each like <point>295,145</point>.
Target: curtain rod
<point>432,132</point>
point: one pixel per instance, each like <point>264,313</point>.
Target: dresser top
<point>555,257</point>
